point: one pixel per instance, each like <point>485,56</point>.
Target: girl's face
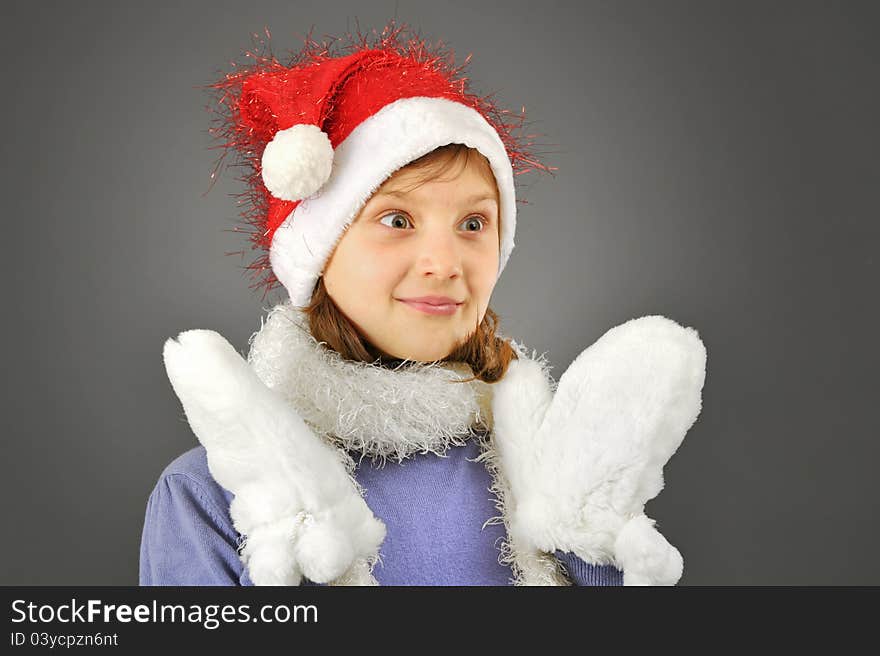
<point>437,241</point>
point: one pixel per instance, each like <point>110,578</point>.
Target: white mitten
<point>295,503</point>
<point>581,464</point>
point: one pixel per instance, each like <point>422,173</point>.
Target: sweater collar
<point>377,411</point>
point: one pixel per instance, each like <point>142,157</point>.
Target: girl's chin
<point>437,341</point>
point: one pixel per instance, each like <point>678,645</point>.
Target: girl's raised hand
<point>295,503</point>
<point>582,463</point>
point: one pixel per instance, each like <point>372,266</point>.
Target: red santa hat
<point>322,133</point>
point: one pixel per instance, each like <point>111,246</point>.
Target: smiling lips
<point>442,305</point>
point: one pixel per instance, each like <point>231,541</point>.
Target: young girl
<point>381,431</point>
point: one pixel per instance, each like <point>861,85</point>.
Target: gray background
<point>717,165</point>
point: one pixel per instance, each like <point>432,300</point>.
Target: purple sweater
<point>433,508</point>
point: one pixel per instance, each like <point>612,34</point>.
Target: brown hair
<point>487,354</point>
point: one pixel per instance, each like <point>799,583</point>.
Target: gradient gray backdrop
<point>717,165</point>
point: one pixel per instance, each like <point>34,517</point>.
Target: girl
<point>381,431</point>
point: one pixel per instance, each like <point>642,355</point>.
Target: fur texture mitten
<point>296,504</point>
<point>581,463</point>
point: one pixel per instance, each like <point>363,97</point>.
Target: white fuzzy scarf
<point>378,411</point>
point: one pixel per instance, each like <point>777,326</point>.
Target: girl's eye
<point>395,220</point>
<point>474,223</point>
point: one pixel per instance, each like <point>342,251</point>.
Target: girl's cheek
<point>365,244</point>
<point>485,269</point>
<point>389,255</point>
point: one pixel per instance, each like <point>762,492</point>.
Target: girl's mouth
<point>443,309</point>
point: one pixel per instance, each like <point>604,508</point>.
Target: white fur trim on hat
<point>297,162</point>
<point>390,139</point>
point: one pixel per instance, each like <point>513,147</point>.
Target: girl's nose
<point>440,256</point>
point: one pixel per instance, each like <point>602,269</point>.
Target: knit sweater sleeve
<point>187,539</point>
<point>584,573</point>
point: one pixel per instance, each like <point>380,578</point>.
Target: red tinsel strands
<point>354,76</point>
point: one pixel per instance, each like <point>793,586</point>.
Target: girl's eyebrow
<point>478,198</point>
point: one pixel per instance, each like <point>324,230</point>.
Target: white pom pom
<point>297,162</point>
<point>645,556</point>
<point>323,552</point>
